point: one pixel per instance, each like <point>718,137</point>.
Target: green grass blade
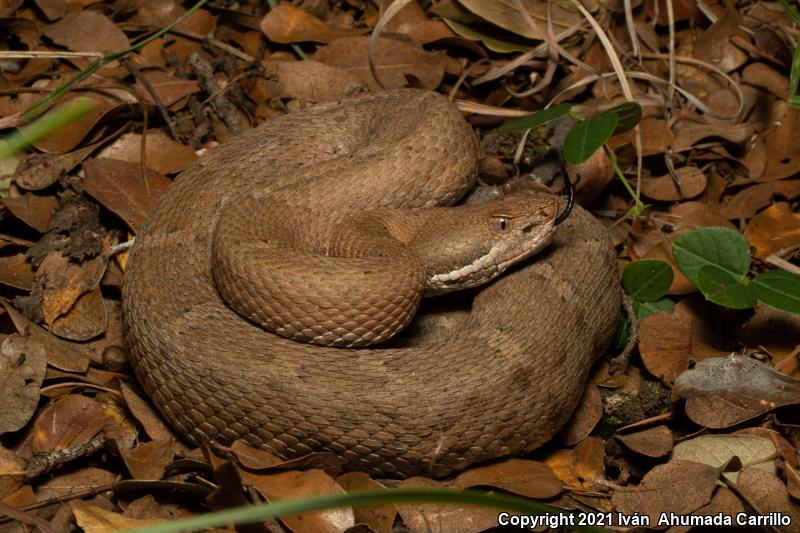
<point>256,513</point>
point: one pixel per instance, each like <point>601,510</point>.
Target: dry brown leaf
<point>767,494</point>
<point>723,391</point>
<point>762,75</point>
<point>70,421</point>
<point>22,369</point>
<point>776,331</point>
<point>397,63</point>
<point>32,209</point>
<point>379,518</point>
<point>687,134</point>
<point>679,487</point>
<point>668,342</point>
<point>310,80</point>
<point>87,31</point>
<point>438,518</point>
<point>162,154</point>
<point>717,451</point>
<point>85,320</point>
<point>782,149</point>
<point>653,442</point>
<point>750,200</point>
<point>585,417</point>
<point>724,503</point>
<point>294,484</point>
<point>63,281</point>
<point>531,479</point>
<point>146,415</point>
<point>286,23</point>
<point>52,9</point>
<point>774,229</point>
<point>16,271</point>
<point>118,185</point>
<point>60,354</point>
<point>66,138</point>
<point>39,171</point>
<point>12,472</point>
<point>253,458</point>
<point>582,466</point>
<point>148,460</point>
<point>691,180</point>
<point>93,519</point>
<point>169,89</point>
<point>65,485</point>
<point>591,177</point>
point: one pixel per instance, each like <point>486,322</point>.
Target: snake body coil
<point>498,379</point>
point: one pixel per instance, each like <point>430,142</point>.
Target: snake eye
<point>501,225</point>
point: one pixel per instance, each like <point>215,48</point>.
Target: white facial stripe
<point>485,264</point>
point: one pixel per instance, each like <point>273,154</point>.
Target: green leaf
<point>537,119</point>
<point>257,513</point>
<point>622,333</point>
<point>629,114</point>
<point>645,309</point>
<point>794,78</point>
<point>719,247</point>
<point>778,289</point>
<point>722,288</point>
<point>586,137</point>
<point>647,280</point>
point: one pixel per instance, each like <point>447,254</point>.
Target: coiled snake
<point>268,209</point>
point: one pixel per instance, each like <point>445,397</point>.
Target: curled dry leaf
<point>774,229</point>
<point>22,368</point>
<point>310,80</point>
<point>687,134</point>
<point>723,502</point>
<point>653,442</point>
<point>679,487</point>
<point>379,518</point>
<point>723,391</point>
<point>668,342</point>
<point>718,450</point>
<point>762,75</point>
<point>60,354</point>
<point>395,62</point>
<point>162,154</point>
<point>691,181</point>
<point>120,187</point>
<point>427,517</point>
<point>70,421</point>
<point>286,23</point>
<point>531,479</point>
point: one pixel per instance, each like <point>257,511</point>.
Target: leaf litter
<point>80,444</point>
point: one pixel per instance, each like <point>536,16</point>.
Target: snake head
<point>477,243</point>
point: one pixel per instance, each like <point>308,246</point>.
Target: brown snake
<point>498,378</point>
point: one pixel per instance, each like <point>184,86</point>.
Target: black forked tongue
<point>570,190</point>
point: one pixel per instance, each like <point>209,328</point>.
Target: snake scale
<point>495,378</point>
